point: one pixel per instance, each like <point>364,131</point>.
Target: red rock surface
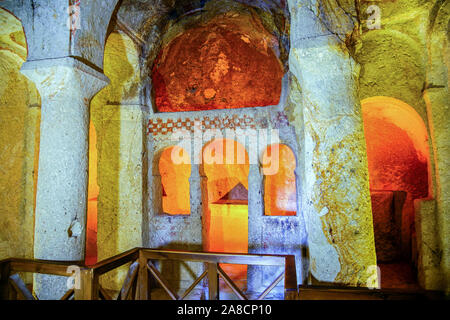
<point>393,160</point>
<point>227,63</point>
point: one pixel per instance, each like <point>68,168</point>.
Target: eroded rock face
<point>227,63</point>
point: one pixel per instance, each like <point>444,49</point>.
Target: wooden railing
<point>13,287</point>
<point>136,285</point>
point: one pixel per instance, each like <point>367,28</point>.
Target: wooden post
<point>5,288</point>
<point>213,281</point>
<point>290,279</point>
<point>89,286</point>
<point>143,287</point>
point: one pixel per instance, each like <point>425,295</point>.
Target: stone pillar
<point>335,184</point>
<point>197,190</point>
<point>438,110</point>
<point>436,96</point>
<point>121,183</point>
<point>196,184</point>
<point>32,123</point>
<point>429,273</point>
<point>255,224</point>
<point>66,86</point>
<point>156,195</point>
<point>302,260</point>
<point>336,199</point>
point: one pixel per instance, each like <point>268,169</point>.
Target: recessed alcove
<point>228,62</point>
<point>399,164</point>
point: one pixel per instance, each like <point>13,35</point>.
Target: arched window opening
<point>398,161</point>
<point>175,170</point>
<point>280,192</point>
<point>226,165</point>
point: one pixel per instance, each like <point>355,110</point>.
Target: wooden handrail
<point>137,282</point>
<point>216,257</point>
<point>116,261</point>
<point>53,267</point>
<point>11,284</point>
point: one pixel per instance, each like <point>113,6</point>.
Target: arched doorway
<point>226,166</point>
<point>398,160</point>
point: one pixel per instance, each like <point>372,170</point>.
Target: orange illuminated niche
<point>93,191</point>
<point>175,170</point>
<point>398,160</point>
<point>226,63</point>
<point>280,192</point>
<point>226,165</point>
<point>397,147</point>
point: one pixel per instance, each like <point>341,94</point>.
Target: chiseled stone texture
<point>428,246</point>
<point>66,87</point>
<point>118,118</point>
<point>255,216</point>
<point>47,27</point>
<point>382,74</point>
<point>89,41</point>
<point>335,185</point>
<point>121,186</point>
<point>437,100</point>
<point>336,192</point>
<point>19,132</point>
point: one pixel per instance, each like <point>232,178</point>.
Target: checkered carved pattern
<point>160,126</point>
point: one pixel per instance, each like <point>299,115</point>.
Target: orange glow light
<point>175,170</point>
<point>93,191</point>
<point>226,163</point>
<point>397,147</point>
<point>280,195</point>
<point>213,66</point>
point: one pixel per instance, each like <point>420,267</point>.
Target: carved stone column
<point>255,223</point>
<point>335,185</point>
<point>336,198</point>
<point>196,183</point>
<point>66,86</point>
<point>121,200</point>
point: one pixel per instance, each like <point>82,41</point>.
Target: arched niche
<point>399,172</point>
<point>212,66</point>
<point>175,169</point>
<point>397,147</point>
<point>19,134</point>
<point>280,191</point>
